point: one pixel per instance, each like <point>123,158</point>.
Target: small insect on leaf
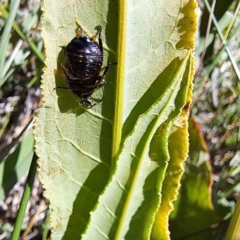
<point>82,67</point>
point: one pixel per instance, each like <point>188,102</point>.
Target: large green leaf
<point>103,168</point>
<point>132,197</point>
<point>178,148</point>
<point>194,215</point>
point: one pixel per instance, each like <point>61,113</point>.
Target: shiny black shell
<point>82,67</point>
<point>83,58</point>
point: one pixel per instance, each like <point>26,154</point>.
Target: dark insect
<point>82,67</point>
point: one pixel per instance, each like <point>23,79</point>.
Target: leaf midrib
<point>121,53</point>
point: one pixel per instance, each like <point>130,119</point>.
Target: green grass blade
<point>46,226</point>
<point>16,165</point>
<point>23,36</point>
<point>6,35</point>
<point>235,67</point>
<point>5,152</point>
<point>25,198</point>
<point>234,227</point>
<point>11,58</point>
<point>212,65</point>
<point>37,76</point>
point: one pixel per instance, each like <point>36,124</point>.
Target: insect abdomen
<point>84,66</point>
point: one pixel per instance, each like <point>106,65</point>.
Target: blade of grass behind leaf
<point>6,36</point>
<point>22,35</point>
<point>235,67</point>
<point>25,198</point>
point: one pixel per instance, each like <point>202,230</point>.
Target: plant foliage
<point>112,171</point>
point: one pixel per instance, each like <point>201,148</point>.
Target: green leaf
<point>103,168</point>
<point>132,197</point>
<point>178,148</point>
<point>16,165</point>
<point>194,200</point>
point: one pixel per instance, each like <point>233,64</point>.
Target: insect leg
<point>78,32</point>
<point>68,74</point>
<point>99,37</point>
<point>106,71</point>
<point>98,33</point>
